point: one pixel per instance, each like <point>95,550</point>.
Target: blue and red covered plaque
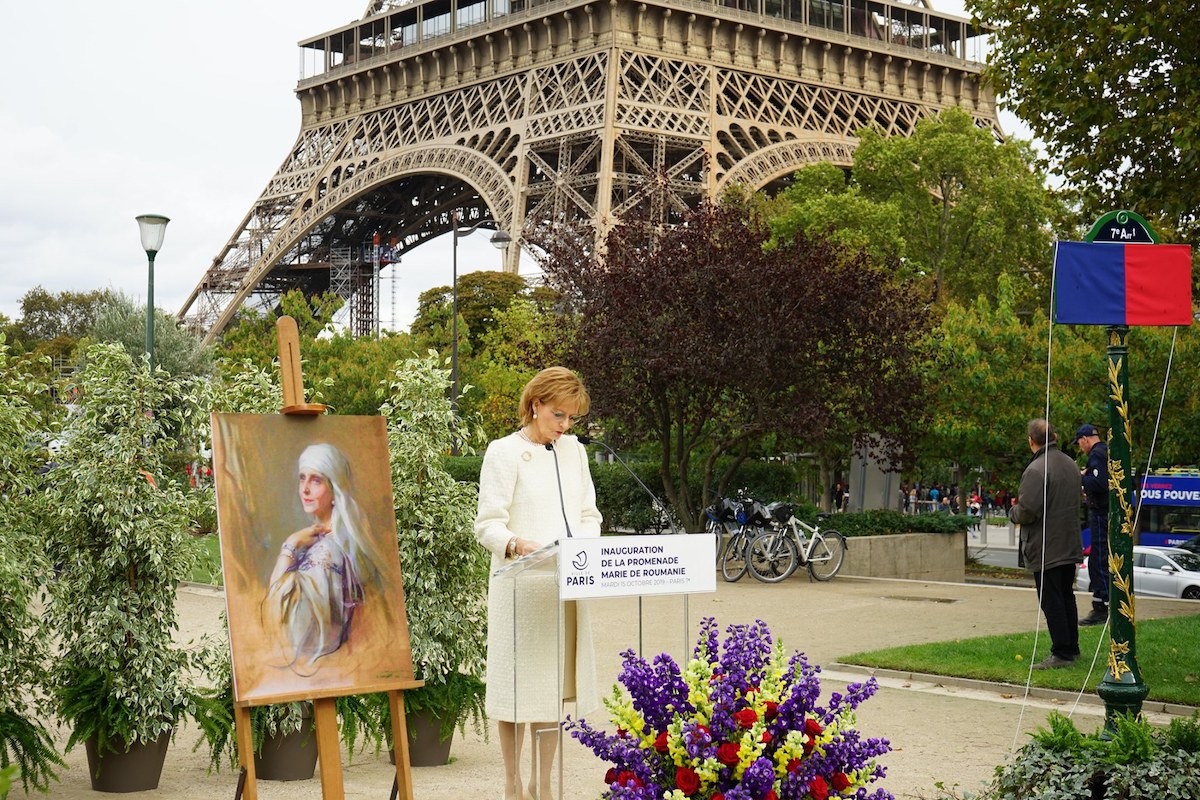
<point>1105,283</point>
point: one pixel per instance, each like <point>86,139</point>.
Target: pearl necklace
<point>525,435</point>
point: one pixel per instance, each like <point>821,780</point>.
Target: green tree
<point>821,202</point>
<point>970,208</point>
<point>481,296</point>
<point>526,338</point>
<point>253,337</point>
<point>989,372</point>
<point>69,315</point>
<point>25,743</point>
<point>176,349</point>
<point>1111,90</point>
<point>351,371</point>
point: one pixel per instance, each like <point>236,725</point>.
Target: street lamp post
<point>153,227</point>
<point>500,240</point>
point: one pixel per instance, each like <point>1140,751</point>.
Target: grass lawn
<point>1166,650</point>
<point>208,568</point>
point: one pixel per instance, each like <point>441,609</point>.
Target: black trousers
<point>1098,558</point>
<point>1056,597</point>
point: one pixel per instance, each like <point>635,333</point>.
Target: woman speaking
<point>535,488</point>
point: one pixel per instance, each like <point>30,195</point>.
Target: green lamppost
<point>153,228</point>
<point>500,240</point>
<point>1122,687</point>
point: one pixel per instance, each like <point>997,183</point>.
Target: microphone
<point>561,502</point>
<point>658,504</point>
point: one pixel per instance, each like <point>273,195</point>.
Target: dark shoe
<point>1053,662</point>
<point>1097,617</point>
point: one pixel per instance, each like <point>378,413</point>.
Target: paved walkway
<point>954,732</point>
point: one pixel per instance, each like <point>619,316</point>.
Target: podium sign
<point>624,566</point>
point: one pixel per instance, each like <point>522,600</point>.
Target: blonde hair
<point>557,385</point>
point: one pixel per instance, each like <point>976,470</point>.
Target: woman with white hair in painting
<point>317,581</point>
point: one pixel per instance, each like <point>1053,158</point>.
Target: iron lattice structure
<point>538,113</point>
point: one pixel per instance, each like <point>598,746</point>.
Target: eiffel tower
<point>537,112</point>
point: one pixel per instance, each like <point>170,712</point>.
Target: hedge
<point>882,522</point>
<point>626,507</point>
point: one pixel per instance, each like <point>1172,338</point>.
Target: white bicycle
<point>790,543</point>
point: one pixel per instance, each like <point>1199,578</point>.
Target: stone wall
<point>918,556</point>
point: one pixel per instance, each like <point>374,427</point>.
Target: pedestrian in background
<point>1095,488</point>
<point>1047,509</point>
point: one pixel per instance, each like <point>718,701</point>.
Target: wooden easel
<point>329,750</point>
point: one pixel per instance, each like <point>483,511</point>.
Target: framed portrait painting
<point>313,586</point>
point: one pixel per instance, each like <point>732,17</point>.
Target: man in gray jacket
<point>1047,509</point>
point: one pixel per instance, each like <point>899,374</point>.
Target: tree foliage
<point>703,339</point>
<point>445,571</point>
<point>528,336</point>
<point>994,375</point>
<point>970,208</point>
<point>24,636</point>
<point>1111,90</point>
<point>253,338</point>
<point>176,350</point>
<point>481,296</point>
<point>116,518</point>
<point>47,316</point>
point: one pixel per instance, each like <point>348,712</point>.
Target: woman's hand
<point>306,537</point>
<point>523,547</point>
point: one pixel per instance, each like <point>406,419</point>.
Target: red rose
<point>610,777</point>
<point>660,743</point>
<point>718,796</point>
<point>808,745</point>
<point>770,795</point>
<point>772,710</point>
<point>793,765</point>
<point>818,788</point>
<point>812,727</point>
<point>766,737</point>
<point>841,781</point>
<point>746,717</point>
<point>752,689</point>
<point>627,778</point>
<point>686,780</point>
<point>622,733</point>
<point>727,753</point>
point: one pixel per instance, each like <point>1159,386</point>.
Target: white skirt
<point>528,655</point>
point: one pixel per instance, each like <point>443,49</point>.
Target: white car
<point>1159,572</point>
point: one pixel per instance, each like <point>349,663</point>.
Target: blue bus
<point>1170,512</point>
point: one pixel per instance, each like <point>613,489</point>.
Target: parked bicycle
<point>752,519</point>
<point>790,543</point>
<point>720,519</point>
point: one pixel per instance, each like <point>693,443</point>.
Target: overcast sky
<point>141,106</point>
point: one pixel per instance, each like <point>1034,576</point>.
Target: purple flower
<point>660,693</point>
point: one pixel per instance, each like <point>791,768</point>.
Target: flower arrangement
<point>737,723</point>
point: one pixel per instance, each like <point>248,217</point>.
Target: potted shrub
<point>27,750</point>
<point>116,523</point>
<point>284,747</point>
<point>445,571</point>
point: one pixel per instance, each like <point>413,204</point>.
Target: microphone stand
<point>659,505</point>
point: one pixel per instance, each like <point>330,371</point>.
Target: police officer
<point>1095,487</point>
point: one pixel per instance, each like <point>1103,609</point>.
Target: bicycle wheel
<point>773,557</point>
<point>826,557</point>
<point>733,560</point>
